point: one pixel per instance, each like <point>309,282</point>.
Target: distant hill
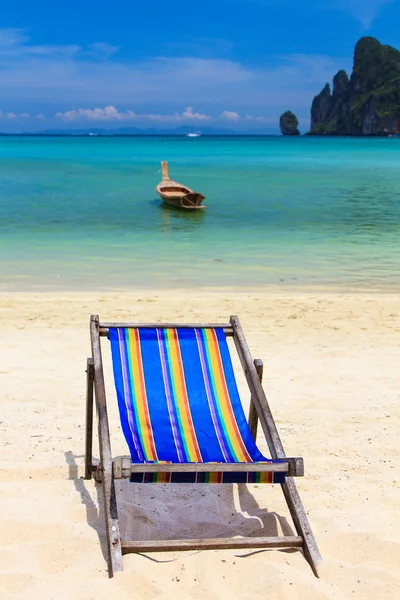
<point>366,104</point>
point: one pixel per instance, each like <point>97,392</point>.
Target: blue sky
<point>216,63</point>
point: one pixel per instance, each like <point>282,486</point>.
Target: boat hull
<point>180,196</point>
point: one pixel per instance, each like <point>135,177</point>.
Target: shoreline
<point>196,289</point>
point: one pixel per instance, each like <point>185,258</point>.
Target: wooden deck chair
<point>183,421</point>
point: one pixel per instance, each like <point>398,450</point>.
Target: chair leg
<point>301,524</point>
<point>110,502</point>
<point>253,417</point>
<point>89,418</point>
<point>112,526</point>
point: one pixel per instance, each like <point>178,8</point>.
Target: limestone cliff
<point>366,104</point>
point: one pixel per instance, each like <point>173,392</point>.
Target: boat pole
<point>164,166</point>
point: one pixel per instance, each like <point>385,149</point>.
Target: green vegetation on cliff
<point>289,123</point>
<point>366,104</point>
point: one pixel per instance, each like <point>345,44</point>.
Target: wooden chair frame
<point>108,469</point>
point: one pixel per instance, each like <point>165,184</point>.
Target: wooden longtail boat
<point>177,194</point>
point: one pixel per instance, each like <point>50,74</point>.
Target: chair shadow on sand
<point>155,511</point>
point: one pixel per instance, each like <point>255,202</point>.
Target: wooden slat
<point>210,468</point>
<point>253,417</point>
<point>104,327</point>
<point>212,544</point>
<point>110,505</point>
<point>123,467</point>
<point>168,325</point>
<point>89,418</point>
<point>105,332</point>
<point>275,446</point>
<point>292,465</point>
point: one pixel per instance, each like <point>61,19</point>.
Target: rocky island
<point>366,104</point>
<point>289,124</point>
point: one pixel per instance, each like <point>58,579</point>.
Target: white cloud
<point>271,119</point>
<point>365,11</point>
<point>188,115</point>
<point>49,49</point>
<point>40,117</point>
<point>230,115</point>
<point>262,119</point>
<point>11,115</point>
<point>203,46</point>
<point>102,49</point>
<point>14,43</point>
<point>111,113</point>
<point>12,37</point>
<point>108,113</point>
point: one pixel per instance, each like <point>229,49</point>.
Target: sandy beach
<point>331,374</point>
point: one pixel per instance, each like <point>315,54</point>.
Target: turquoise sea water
<point>82,213</point>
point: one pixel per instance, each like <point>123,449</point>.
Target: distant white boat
<point>193,134</point>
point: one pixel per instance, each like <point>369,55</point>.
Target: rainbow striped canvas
<point>179,403</point>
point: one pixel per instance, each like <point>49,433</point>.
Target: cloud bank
<point>111,113</point>
<point>72,83</point>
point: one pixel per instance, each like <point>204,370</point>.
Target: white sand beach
<point>331,374</point>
